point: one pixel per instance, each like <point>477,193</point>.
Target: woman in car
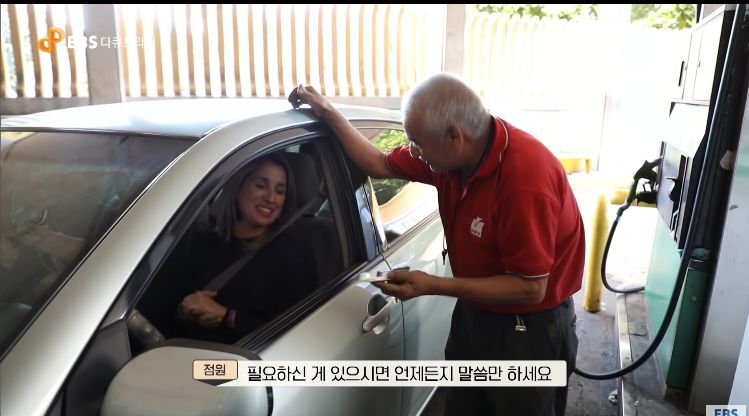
<point>250,211</point>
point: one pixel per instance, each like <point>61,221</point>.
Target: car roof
<point>174,117</point>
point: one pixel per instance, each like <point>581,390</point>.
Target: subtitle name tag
<point>214,372</point>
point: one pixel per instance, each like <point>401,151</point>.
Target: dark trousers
<point>476,334</point>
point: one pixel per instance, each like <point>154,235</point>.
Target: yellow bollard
<point>593,283</point>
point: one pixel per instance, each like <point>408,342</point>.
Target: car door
<point>409,223</point>
<point>343,319</point>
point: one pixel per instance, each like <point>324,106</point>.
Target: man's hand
<point>365,154</point>
<point>405,285</point>
<point>202,309</point>
<point>309,95</point>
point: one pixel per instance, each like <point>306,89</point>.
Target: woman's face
<point>262,196</point>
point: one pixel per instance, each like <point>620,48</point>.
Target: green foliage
<point>640,11</point>
<point>664,16</point>
<point>386,189</point>
<point>555,11</point>
<point>660,16</point>
<point>388,140</point>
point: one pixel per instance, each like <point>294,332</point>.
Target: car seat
<point>319,230</point>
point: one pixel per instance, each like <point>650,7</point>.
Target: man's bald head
<point>444,99</point>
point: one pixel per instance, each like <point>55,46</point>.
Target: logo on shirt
<point>477,225</point>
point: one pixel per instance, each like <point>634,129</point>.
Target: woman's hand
<point>201,308</point>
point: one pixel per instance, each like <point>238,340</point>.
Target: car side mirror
<point>159,382</point>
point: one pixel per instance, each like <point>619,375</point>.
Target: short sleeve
<point>527,231</point>
<point>404,166</point>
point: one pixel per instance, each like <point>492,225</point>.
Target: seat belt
<point>223,278</point>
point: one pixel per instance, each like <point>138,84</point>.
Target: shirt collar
<point>500,140</point>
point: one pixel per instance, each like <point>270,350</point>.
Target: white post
<point>103,69</point>
<point>455,23</point>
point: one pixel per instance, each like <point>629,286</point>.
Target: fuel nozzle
<point>647,172</point>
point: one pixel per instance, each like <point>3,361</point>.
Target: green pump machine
<point>701,140</point>
<point>691,184</point>
<point>692,194</point>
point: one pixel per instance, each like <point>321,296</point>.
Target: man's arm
<point>365,154</point>
<point>502,289</point>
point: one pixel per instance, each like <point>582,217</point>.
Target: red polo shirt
<point>515,215</point>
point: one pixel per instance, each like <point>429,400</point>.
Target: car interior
<point>317,222</point>
<point>160,301</point>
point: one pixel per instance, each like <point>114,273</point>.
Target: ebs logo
<point>727,410</point>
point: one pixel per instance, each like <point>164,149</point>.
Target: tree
<point>660,16</point>
<point>664,16</point>
<point>556,11</point>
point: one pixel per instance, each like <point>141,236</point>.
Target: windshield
<point>59,194</point>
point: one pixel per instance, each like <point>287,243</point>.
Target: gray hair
<point>444,99</point>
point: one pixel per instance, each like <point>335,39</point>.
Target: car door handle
<point>382,315</point>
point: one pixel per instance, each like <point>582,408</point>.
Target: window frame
<point>388,245</point>
<point>164,246</point>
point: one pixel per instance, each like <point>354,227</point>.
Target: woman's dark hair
<point>227,212</point>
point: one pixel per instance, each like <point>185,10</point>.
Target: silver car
<point>94,201</point>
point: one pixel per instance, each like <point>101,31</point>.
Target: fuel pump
<point>690,192</point>
<point>647,195</point>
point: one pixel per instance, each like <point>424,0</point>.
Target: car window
<point>400,204</point>
<point>59,193</point>
<point>289,262</point>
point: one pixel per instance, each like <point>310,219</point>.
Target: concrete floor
<point>627,266</point>
<point>598,348</point>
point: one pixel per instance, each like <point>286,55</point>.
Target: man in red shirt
<point>514,235</point>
